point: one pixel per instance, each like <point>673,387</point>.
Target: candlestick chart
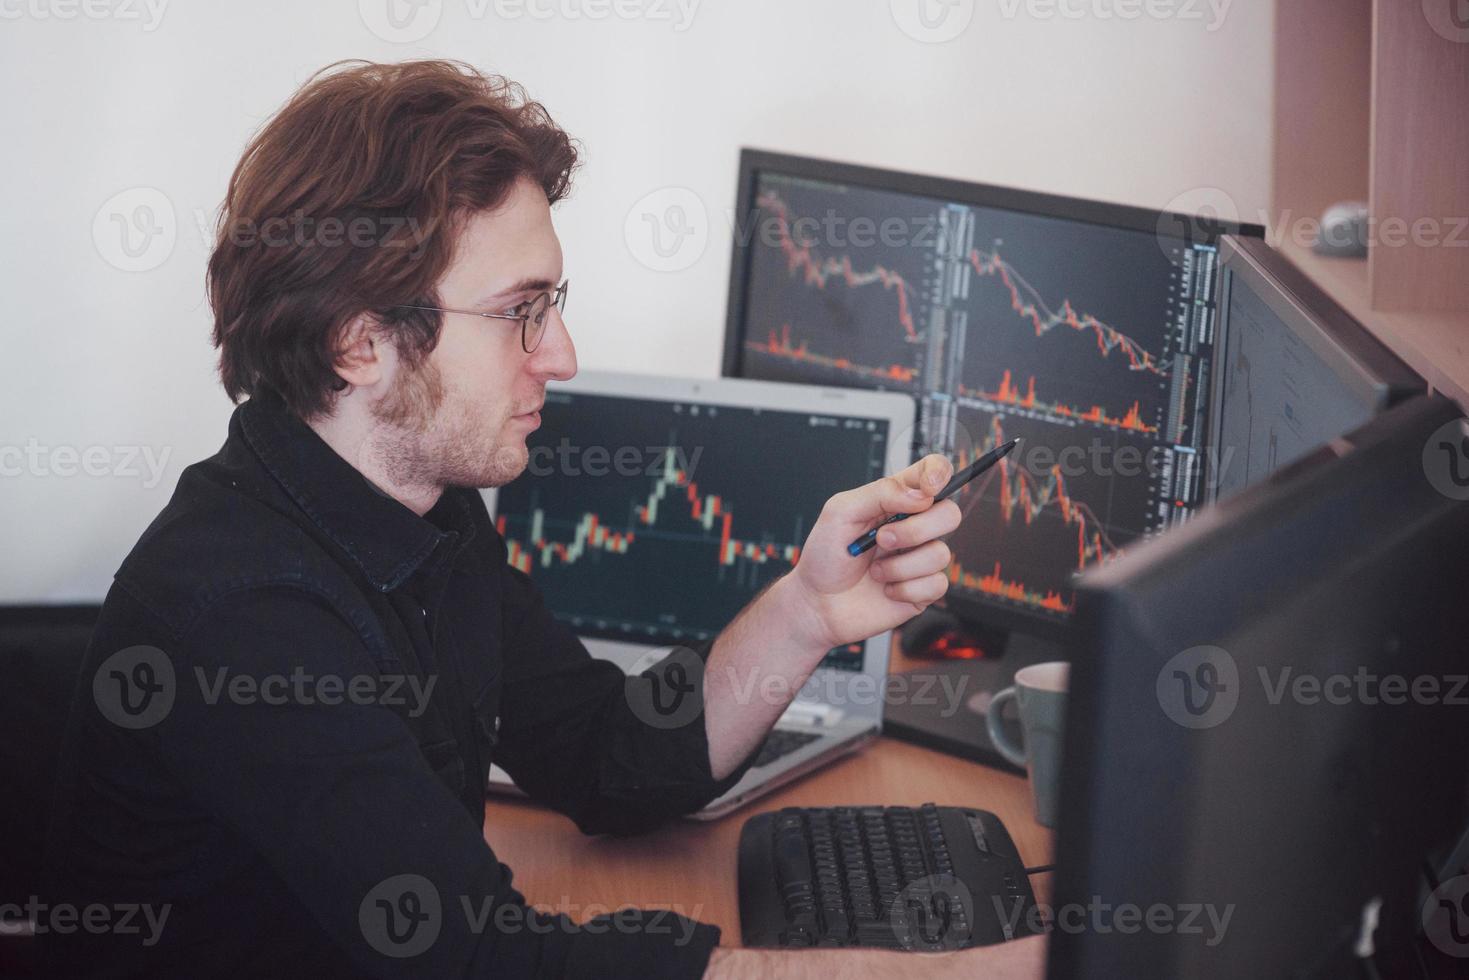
<point>1089,342</point>
<point>657,521</point>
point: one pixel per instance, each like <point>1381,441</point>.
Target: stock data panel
<point>657,521</point>
<point>1089,342</point>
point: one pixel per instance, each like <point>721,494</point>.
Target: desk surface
<point>689,866</point>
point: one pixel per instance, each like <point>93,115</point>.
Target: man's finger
<point>921,591</point>
<point>909,491</point>
<point>939,519</point>
<point>923,560</point>
<point>929,474</point>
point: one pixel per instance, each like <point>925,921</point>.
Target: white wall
<point>110,96</point>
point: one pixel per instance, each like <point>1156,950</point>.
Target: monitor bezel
<point>754,162</point>
<point>1358,358</point>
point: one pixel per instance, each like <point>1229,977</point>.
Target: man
<point>307,663</point>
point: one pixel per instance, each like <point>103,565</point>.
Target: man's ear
<point>359,361</point>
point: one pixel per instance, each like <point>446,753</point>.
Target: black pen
<point>865,543</point>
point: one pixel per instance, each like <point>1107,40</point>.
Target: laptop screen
<point>653,521</point>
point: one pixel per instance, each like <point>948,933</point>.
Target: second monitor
<point>1085,329</point>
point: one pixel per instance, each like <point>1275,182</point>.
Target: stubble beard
<point>423,438</point>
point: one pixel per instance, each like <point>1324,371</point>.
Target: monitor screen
<point>656,521</point>
<point>1293,370</point>
<point>1080,328</point>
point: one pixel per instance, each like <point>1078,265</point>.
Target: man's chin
<point>499,467</point>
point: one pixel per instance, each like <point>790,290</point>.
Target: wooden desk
<point>689,866</point>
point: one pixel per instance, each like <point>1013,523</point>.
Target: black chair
<point>41,651</point>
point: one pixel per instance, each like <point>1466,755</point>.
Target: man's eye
<point>519,309</point>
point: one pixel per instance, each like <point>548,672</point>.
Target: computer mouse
<point>1343,231</point>
<point>937,634</point>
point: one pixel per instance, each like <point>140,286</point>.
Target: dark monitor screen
<point>1083,329</point>
<point>1265,732</point>
<point>1292,371</point>
<point>656,521</point>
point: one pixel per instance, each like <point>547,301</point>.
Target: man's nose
<point>554,359</point>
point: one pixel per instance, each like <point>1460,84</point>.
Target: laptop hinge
<point>811,714</point>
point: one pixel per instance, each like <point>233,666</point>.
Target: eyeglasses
<point>532,320</point>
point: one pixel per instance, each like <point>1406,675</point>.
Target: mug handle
<point>1006,748</point>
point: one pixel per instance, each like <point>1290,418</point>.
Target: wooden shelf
<point>1370,105</point>
<point>1436,345</point>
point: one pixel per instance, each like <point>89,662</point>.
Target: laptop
<point>653,509</point>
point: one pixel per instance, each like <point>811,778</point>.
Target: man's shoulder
<point>226,528</point>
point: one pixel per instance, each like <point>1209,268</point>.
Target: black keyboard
<point>781,742</point>
<point>926,878</point>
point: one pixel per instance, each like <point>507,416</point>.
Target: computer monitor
<point>1292,369</point>
<point>653,509</point>
<point>1265,733</point>
<point>1083,328</point>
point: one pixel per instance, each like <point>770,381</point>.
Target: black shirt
<point>282,730</point>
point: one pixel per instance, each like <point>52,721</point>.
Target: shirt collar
<point>384,538</point>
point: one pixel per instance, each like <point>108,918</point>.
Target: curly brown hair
<point>350,201</point>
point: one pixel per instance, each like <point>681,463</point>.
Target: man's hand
<point>850,599</point>
<point>1018,959</point>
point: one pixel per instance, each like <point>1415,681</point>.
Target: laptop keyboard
<point>782,742</point>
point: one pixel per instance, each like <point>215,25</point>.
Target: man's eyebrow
<point>527,285</point>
